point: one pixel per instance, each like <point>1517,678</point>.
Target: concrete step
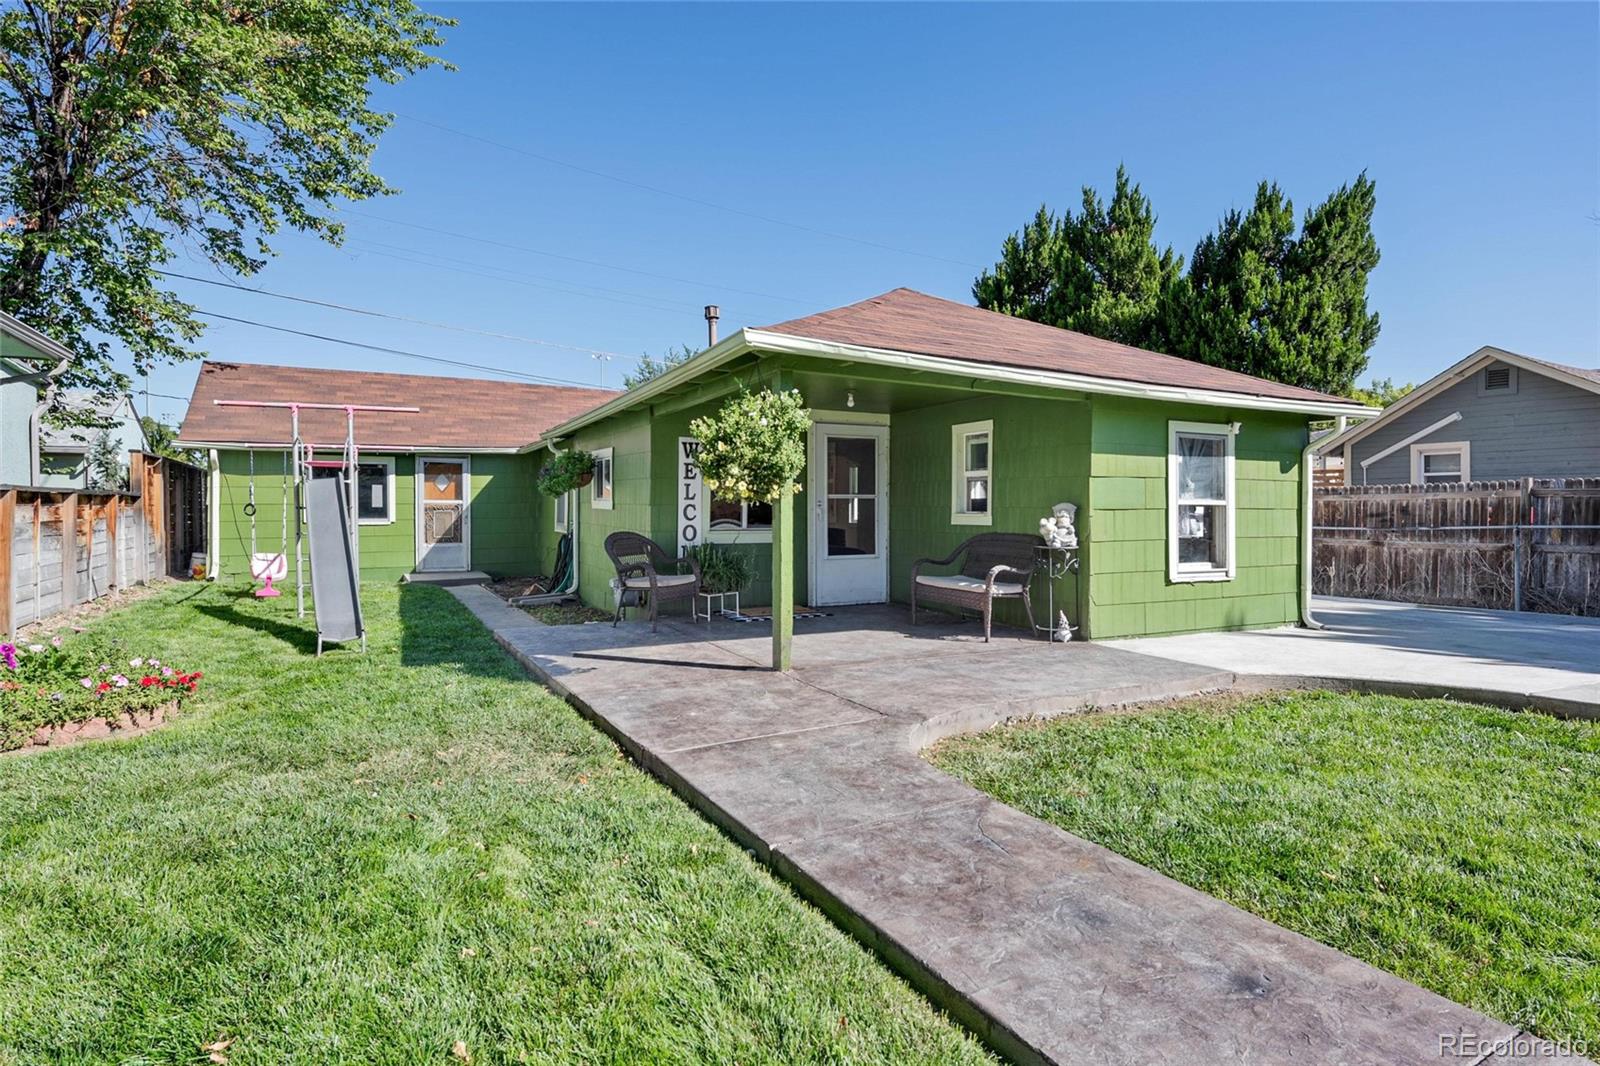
<point>447,577</point>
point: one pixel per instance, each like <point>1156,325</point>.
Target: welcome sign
<point>691,495</point>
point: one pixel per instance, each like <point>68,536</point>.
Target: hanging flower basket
<point>565,472</point>
<point>754,447</point>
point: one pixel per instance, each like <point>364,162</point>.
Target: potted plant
<point>566,471</point>
<point>722,569</point>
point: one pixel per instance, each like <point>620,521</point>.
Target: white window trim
<point>561,523</point>
<point>388,486</point>
<point>1230,512</point>
<point>959,433</point>
<point>595,501</point>
<point>1441,448</point>
<point>743,535</point>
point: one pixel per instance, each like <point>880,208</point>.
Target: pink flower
<point>86,682</point>
<point>119,680</point>
<point>55,642</point>
<point>166,671</point>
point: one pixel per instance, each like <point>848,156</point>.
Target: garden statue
<point>1058,528</point>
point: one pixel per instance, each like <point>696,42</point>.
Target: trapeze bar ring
<point>249,510</point>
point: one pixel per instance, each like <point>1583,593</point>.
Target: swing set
<point>328,515</point>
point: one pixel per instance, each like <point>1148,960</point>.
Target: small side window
<point>971,480</point>
<point>600,488</point>
<point>1200,502</point>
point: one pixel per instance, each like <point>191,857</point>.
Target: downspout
<point>1306,508</point>
<point>570,587</point>
<point>214,519</point>
<point>35,451</point>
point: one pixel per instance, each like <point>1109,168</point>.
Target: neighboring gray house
<point>1494,415</point>
<point>64,450</point>
<point>25,355</point>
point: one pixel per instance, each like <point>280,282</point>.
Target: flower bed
<point>62,680</point>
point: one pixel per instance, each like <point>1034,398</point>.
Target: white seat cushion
<point>662,581</point>
<point>968,584</point>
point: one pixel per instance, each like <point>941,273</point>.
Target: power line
<point>570,258</point>
<point>397,351</point>
<point>385,314</point>
<point>513,277</point>
<point>685,198</point>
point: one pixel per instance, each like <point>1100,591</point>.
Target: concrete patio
<point>1521,659</point>
<point>1050,947</point>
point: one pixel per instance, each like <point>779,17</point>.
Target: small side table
<point>722,604</point>
<point>1054,563</point>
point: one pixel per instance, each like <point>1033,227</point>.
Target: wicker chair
<point>645,569</point>
<point>993,566</point>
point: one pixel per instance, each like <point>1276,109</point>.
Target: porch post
<point>782,579</point>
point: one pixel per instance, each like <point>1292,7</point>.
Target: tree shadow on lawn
<point>300,635</point>
<point>437,630</point>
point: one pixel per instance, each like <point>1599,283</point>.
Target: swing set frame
<point>305,463</point>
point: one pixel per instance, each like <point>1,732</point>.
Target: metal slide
<point>335,587</point>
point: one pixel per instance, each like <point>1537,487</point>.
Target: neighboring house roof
<point>457,414</point>
<point>1577,377</point>
<point>921,332</point>
<point>93,408</point>
<point>32,338</point>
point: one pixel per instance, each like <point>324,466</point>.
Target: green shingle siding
<point>1129,593</point>
<point>510,521</point>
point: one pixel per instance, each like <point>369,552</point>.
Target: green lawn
<point>367,859</point>
<point>1457,846</point>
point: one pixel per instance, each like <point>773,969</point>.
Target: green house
<point>935,421</point>
<point>446,466</point>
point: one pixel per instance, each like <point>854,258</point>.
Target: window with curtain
<point>1200,502</point>
<point>971,485</point>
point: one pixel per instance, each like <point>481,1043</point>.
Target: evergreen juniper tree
<point>1098,271</point>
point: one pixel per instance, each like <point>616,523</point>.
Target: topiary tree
<point>754,448</point>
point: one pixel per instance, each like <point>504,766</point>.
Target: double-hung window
<point>562,521</point>
<point>971,483</point>
<point>1200,502</point>
<point>600,489</point>
<point>1441,463</point>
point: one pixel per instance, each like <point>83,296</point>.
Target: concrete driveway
<point>1541,660</point>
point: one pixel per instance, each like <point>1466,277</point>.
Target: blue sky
<point>927,133</point>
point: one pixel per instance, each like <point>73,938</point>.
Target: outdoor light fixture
<point>849,399</point>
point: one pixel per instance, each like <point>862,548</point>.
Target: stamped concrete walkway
<point>1547,661</point>
<point>1050,947</point>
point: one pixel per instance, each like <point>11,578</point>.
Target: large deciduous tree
<point>1098,271</point>
<point>133,127</point>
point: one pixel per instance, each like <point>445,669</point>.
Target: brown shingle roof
<point>1580,371</point>
<point>908,321</point>
<point>456,413</point>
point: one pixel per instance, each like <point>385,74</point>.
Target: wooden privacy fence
<point>63,547</point>
<point>1532,544</point>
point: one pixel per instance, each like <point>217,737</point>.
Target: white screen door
<point>849,534</point>
<point>443,535</point>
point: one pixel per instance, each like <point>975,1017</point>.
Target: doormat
<point>764,614</point>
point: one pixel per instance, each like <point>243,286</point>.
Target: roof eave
<point>791,345</point>
<point>746,340</point>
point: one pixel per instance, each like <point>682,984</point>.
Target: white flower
<point>135,663</point>
<point>36,648</point>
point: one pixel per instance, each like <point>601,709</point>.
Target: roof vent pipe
<point>713,312</point>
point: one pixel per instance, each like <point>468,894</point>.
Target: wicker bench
<point>645,569</point>
<point>992,566</point>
